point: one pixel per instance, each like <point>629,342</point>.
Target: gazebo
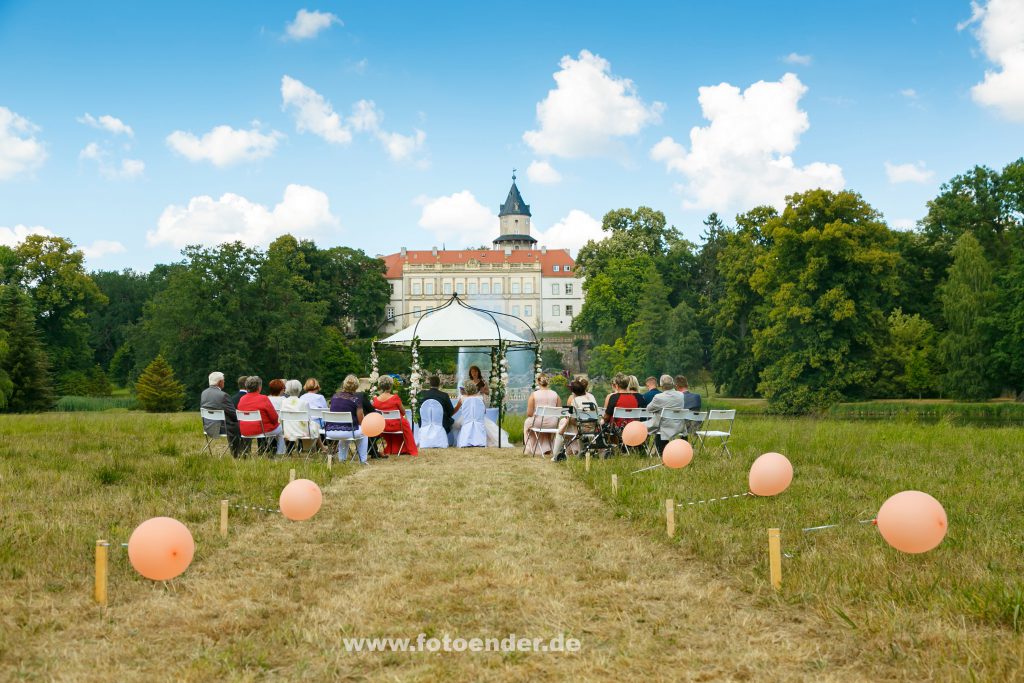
<point>457,323</point>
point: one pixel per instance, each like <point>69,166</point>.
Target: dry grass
<point>465,543</point>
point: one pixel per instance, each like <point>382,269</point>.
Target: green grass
<point>76,404</point>
<point>931,411</point>
<point>68,479</point>
<point>963,602</point>
<point>513,424</point>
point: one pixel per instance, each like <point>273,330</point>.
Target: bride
<point>472,405</point>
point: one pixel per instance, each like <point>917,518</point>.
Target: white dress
<point>489,425</point>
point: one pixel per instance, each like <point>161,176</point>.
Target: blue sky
<point>378,125</point>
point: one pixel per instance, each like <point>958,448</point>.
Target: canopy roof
<point>456,323</point>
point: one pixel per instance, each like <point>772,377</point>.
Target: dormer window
<point>555,268</point>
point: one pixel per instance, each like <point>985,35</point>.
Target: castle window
<point>460,287</point>
<point>515,286</point>
<point>416,288</point>
<point>554,289</point>
<point>528,286</point>
<point>527,311</point>
<point>515,311</point>
<point>485,287</point>
<point>497,287</point>
<point>390,312</point>
<point>430,287</point>
<point>472,287</point>
<point>568,288</point>
<point>554,268</point>
<point>568,311</point>
<point>447,288</point>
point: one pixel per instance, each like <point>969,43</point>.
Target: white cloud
<point>108,123</point>
<point>359,67</point>
<point>312,112</point>
<point>10,237</point>
<point>458,219</point>
<point>308,24</point>
<point>909,93</point>
<point>315,114</point>
<point>797,58</point>
<point>543,173</point>
<point>304,212</point>
<point>999,28</point>
<point>741,159</point>
<point>908,173</point>
<point>588,109</point>
<point>126,169</point>
<point>20,152</point>
<point>572,232</point>
<point>101,248</point>
<point>904,224</point>
<point>224,145</point>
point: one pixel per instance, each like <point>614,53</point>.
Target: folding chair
<point>545,421</point>
<point>723,416</point>
<point>252,416</point>
<point>215,421</point>
<point>348,427</point>
<point>392,415</point>
<point>627,415</point>
<point>673,422</point>
<point>295,417</point>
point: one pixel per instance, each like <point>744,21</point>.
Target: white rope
<point>644,469</point>
<point>712,500</point>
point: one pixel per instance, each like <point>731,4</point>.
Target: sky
<point>134,129</point>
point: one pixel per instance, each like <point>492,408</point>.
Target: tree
<point>649,338</point>
<point>612,298</point>
<point>51,270</point>
<point>158,390</point>
<point>607,359</point>
<point>24,367</point>
<point>127,292</point>
<point>827,280</point>
<point>684,349</point>
<point>1009,349</point>
<point>907,362</point>
<point>552,358</point>
<point>968,299</point>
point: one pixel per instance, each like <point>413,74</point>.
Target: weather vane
<point>513,175</point>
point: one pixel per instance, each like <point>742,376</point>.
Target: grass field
<point>956,612</point>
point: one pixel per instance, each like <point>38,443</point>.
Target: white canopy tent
<point>456,323</point>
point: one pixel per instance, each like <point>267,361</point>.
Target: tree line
<point>822,302</point>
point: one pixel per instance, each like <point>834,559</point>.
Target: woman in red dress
<point>384,401</point>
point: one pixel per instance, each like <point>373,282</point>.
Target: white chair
<point>631,415</point>
<point>348,434</point>
<point>299,419</point>
<point>392,415</point>
<point>431,433</point>
<point>473,431</point>
<point>545,421</point>
<point>252,416</point>
<point>725,418</point>
<point>214,429</point>
<point>671,425</point>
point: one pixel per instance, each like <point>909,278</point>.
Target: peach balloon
<point>372,425</point>
<point>770,475</point>
<point>677,453</point>
<point>634,433</point>
<point>161,548</point>
<point>912,521</point>
<point>300,500</point>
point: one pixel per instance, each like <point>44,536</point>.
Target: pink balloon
<point>634,433</point>
<point>912,521</point>
<point>161,548</point>
<point>300,500</point>
<point>677,453</point>
<point>770,475</point>
<point>372,425</point>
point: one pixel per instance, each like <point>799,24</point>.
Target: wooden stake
<point>291,475</point>
<point>670,517</point>
<point>615,484</point>
<point>223,519</point>
<point>100,592</point>
<point>775,557</point>
<point>330,457</point>
<point>586,462</point>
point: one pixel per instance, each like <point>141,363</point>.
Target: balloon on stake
<point>770,475</point>
<point>161,548</point>
<point>634,433</point>
<point>912,521</point>
<point>677,454</point>
<point>300,500</point>
<point>372,425</point>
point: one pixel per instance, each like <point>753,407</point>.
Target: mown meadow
<point>955,612</point>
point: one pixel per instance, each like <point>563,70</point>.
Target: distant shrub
<point>76,404</point>
<point>157,388</point>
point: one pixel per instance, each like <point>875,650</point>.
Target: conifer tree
<point>24,367</point>
<point>157,388</point>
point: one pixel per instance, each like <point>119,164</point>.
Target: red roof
<point>548,260</point>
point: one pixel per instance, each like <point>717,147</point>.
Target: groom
<point>434,392</point>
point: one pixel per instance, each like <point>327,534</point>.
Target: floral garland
<point>374,367</point>
<point>538,367</point>
<point>414,376</point>
<point>499,374</point>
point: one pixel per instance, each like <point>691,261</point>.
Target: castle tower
<point>514,215</point>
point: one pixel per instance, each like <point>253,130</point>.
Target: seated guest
<point>241,390</point>
<point>297,432</point>
<point>255,401</point>
<point>346,400</point>
<point>314,400</point>
<point>579,399</point>
<point>434,392</point>
<point>691,399</point>
<point>214,398</point>
<point>543,397</point>
<point>275,392</point>
<point>620,398</point>
<point>652,389</point>
<point>364,396</point>
<point>634,388</point>
<point>669,397</point>
<point>396,444</point>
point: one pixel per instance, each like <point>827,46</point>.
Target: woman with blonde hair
<point>543,397</point>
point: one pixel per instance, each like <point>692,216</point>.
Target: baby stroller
<point>588,436</point>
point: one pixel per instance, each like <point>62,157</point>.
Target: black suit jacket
<point>446,405</point>
<point>238,397</point>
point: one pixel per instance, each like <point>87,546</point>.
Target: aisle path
<point>464,543</point>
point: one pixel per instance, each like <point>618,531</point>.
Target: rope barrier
<point>714,500</point>
<point>833,526</point>
<point>644,469</point>
<point>255,507</point>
